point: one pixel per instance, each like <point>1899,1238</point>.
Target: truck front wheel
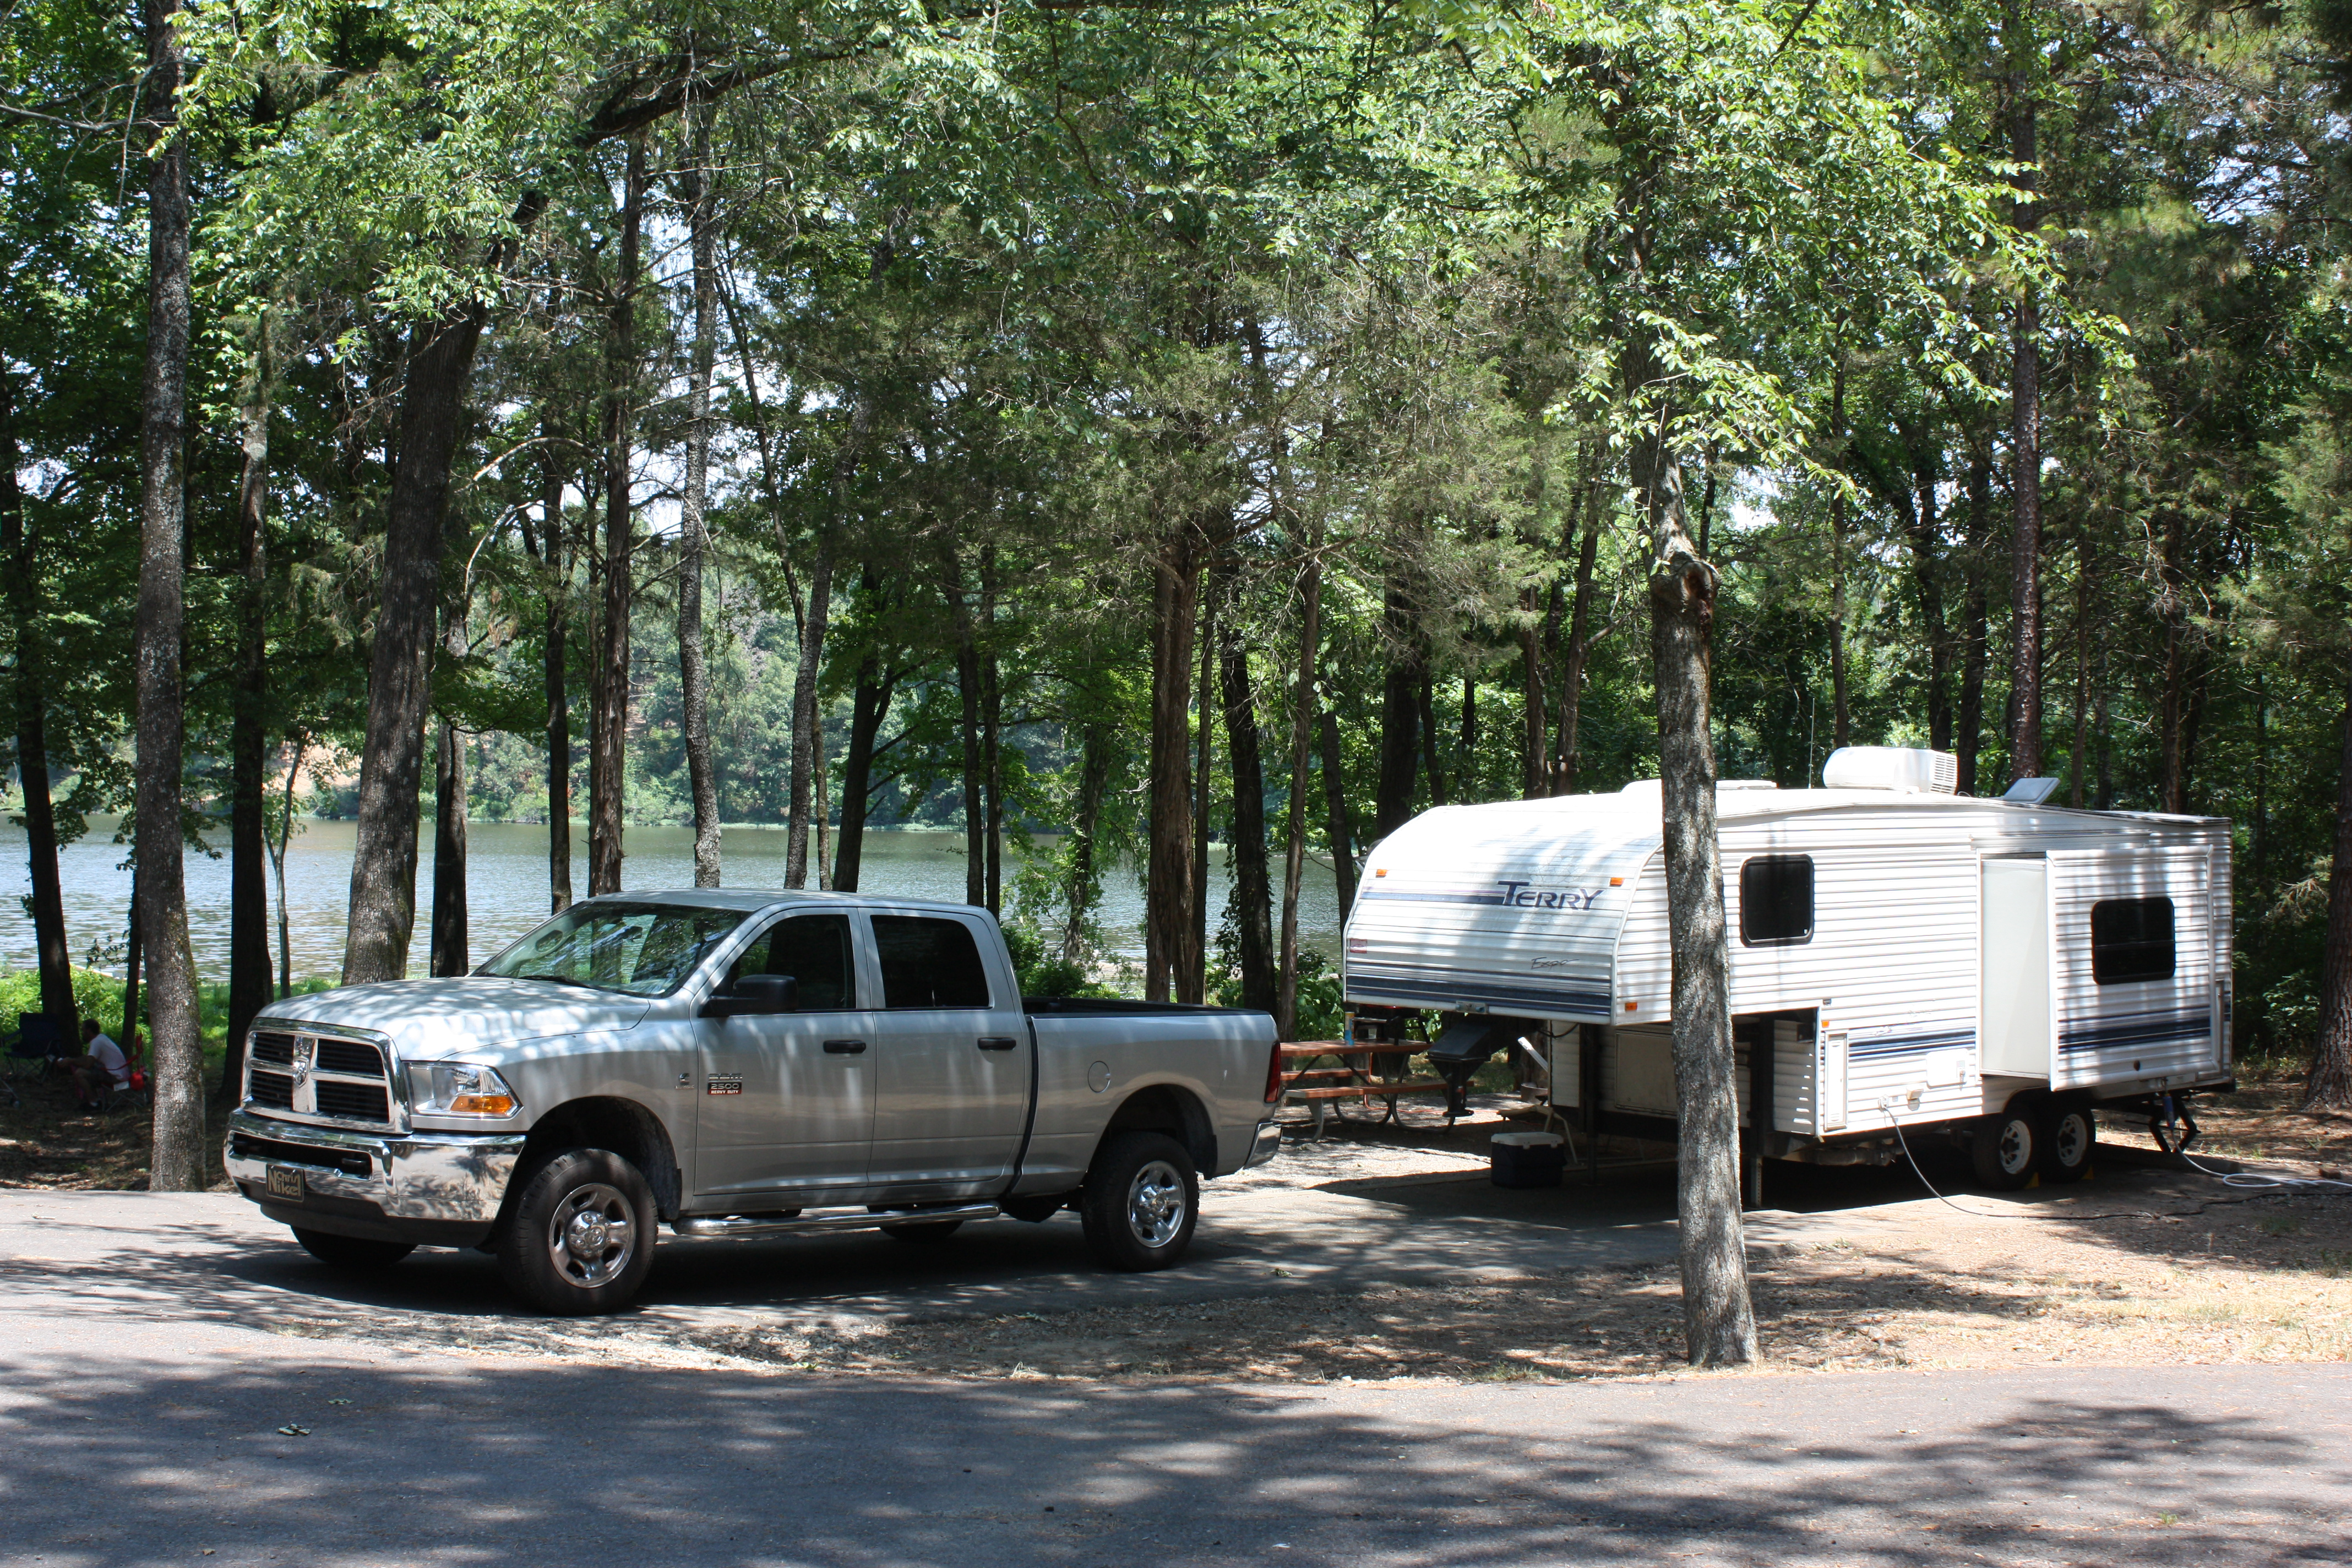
<point>580,1238</point>
<point>1142,1198</point>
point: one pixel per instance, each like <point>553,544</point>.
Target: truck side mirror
<point>755,993</point>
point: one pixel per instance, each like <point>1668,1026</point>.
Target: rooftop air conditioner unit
<point>1903,769</point>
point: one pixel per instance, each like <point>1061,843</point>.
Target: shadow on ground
<point>453,1464</point>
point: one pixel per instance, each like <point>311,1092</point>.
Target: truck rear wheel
<point>1142,1198</point>
<point>580,1238</point>
<point>2007,1145</point>
<point>352,1254</point>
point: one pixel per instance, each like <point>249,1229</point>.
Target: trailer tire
<point>580,1239</point>
<point>1142,1198</point>
<point>2073,1139</point>
<point>2007,1145</point>
<point>352,1254</point>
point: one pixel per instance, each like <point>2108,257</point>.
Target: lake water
<point>506,888</point>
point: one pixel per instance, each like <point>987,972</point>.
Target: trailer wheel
<point>1142,1197</point>
<point>2007,1145</point>
<point>2073,1139</point>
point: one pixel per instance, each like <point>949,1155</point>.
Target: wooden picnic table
<point>1352,1075</point>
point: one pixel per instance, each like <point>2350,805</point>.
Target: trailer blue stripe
<point>1903,1045</point>
<point>2140,1030</point>
<point>1362,987</point>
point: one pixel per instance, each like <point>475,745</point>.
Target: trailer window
<point>2131,939</point>
<point>1776,900</point>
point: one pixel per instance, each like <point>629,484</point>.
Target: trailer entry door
<point>2015,1035</point>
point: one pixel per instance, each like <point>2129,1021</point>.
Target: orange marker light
<point>1382,872</point>
<point>1616,881</point>
<point>1632,1006</point>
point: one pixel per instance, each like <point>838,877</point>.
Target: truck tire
<point>580,1239</point>
<point>923,1229</point>
<point>352,1254</point>
<point>1142,1197</point>
<point>2073,1139</point>
<point>2007,1145</point>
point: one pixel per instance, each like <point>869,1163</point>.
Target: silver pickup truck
<point>736,1064</point>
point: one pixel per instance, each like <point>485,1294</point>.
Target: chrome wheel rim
<point>592,1234</point>
<point>2016,1145</point>
<point>2072,1142</point>
<point>1155,1203</point>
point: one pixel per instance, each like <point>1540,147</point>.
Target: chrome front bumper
<point>1263,1147</point>
<point>431,1188</point>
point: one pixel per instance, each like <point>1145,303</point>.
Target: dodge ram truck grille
<point>313,1075</point>
<point>355,1057</point>
<point>352,1102</point>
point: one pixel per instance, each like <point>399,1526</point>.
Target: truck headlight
<point>462,1088</point>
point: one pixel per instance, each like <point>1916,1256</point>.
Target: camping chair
<point>35,1039</point>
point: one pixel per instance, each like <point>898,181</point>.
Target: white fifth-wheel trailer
<point>1900,957</point>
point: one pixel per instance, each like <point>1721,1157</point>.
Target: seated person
<point>102,1067</point>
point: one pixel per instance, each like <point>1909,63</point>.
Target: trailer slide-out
<point>1900,956</point>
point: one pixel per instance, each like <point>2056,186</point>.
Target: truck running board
<point>812,1222</point>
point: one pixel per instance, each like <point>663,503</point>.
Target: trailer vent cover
<point>1904,770</point>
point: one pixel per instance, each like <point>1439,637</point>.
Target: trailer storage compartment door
<point>2132,969</point>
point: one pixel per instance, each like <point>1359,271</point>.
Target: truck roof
<point>751,900</point>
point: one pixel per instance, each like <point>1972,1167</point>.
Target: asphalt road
<point>154,1353</point>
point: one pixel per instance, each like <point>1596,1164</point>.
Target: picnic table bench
<point>1325,1074</point>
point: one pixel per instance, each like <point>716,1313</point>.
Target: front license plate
<point>286,1181</point>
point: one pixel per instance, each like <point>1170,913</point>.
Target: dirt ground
<point>2239,1277</point>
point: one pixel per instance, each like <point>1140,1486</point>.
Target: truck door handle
<point>997,1042</point>
<point>844,1048</point>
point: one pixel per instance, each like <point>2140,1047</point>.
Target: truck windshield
<point>645,950</point>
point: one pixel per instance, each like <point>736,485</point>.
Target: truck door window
<point>1776,900</point>
<point>814,951</point>
<point>2131,939</point>
<point>928,963</point>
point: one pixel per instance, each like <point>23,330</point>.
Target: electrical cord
<point>2234,1179</point>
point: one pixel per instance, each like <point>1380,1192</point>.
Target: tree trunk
<point>991,717</point>
<point>1192,971</point>
<point>2025,474</point>
<point>1425,701</point>
<point>1718,1321</point>
<point>1168,876</point>
<point>1927,574</point>
<point>448,957</point>
<point>694,537</point>
<point>2328,1084</point>
<point>1466,765</point>
<point>440,361</point>
<point>2076,764</point>
<point>2172,609</point>
<point>1969,740</point>
<point>1535,760</point>
<point>868,707</point>
<point>1334,815</point>
<point>556,573</point>
<point>1084,885</point>
<point>1580,644</point>
<point>128,1036</point>
<point>807,714</point>
<point>183,1160</point>
<point>249,902</point>
<point>1399,715</point>
<point>608,745</point>
<point>1247,844</point>
<point>975,809</point>
<point>51,955</point>
<point>1302,744</point>
<point>1840,713</point>
<point>300,741</point>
